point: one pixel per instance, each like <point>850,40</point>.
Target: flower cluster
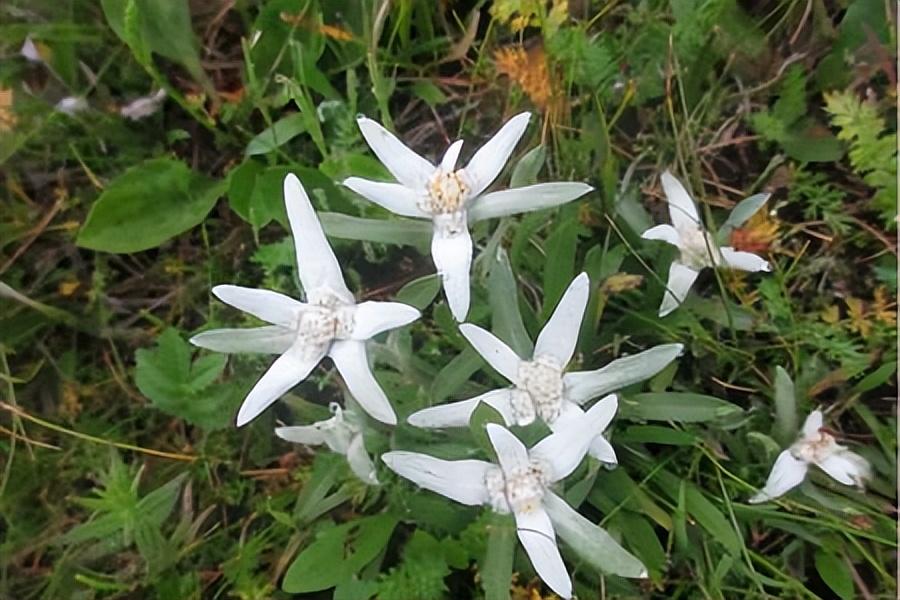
<point>330,322</point>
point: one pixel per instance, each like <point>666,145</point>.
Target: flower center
<point>698,248</point>
<point>538,391</point>
<point>520,490</point>
<point>447,192</point>
<point>324,320</point>
<point>816,449</point>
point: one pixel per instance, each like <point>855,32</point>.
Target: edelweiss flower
<point>330,322</point>
<point>698,247</point>
<point>540,386</point>
<point>342,434</point>
<point>521,485</point>
<point>815,447</point>
<point>452,198</point>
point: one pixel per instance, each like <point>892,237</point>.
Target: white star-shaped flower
<point>815,447</point>
<point>330,322</point>
<point>698,248</point>
<point>453,198</point>
<point>541,388</point>
<point>342,434</point>
<point>521,485</point>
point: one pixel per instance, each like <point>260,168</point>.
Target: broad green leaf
<point>785,408</point>
<point>420,292</point>
<point>526,170</point>
<point>404,232</point>
<point>654,434</point>
<point>497,564</point>
<point>506,318</point>
<point>184,389</point>
<point>835,573</point>
<point>455,375</point>
<point>745,209</point>
<point>711,519</point>
<point>642,539</point>
<point>559,269</point>
<point>282,131</point>
<point>147,205</point>
<point>482,415</point>
<point>338,553</point>
<point>675,406</point>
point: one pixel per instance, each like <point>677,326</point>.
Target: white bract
<point>342,434</point>
<point>698,249</point>
<point>541,389</point>
<point>453,198</point>
<point>330,322</point>
<point>143,107</point>
<point>815,447</point>
<point>520,485</point>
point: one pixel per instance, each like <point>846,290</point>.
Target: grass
<point>122,476</point>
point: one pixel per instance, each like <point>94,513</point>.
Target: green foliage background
<point>122,476</point>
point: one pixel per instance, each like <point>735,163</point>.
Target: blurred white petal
<point>581,386</point>
<point>372,318</point>
<point>272,339</point>
<point>71,105</point>
<point>511,453</point>
<point>30,51</point>
<point>316,263</point>
<point>745,261</point>
<point>812,424</point>
<point>846,467</point>
<point>564,449</point>
<point>409,168</point>
<point>359,461</point>
<point>459,480</point>
<point>560,333</point>
<point>525,199</point>
<point>452,255</point>
<point>267,305</point>
<point>492,349</point>
<point>457,414</point>
<point>350,358</point>
<point>490,159</point>
<point>448,162</point>
<point>591,542</point>
<point>682,209</point>
<point>536,533</point>
<point>603,451</point>
<point>664,233</point>
<point>681,278</point>
<point>308,435</point>
<point>570,415</point>
<point>288,370</point>
<point>395,197</point>
<point>144,106</point>
<point>787,473</point>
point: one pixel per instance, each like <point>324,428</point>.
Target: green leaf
<point>526,170</point>
<point>497,564</point>
<point>282,131</point>
<point>503,294</point>
<point>147,205</point>
<point>654,434</point>
<point>676,406</point>
<point>483,414</point>
<point>560,266</point>
<point>338,553</point>
<point>711,519</point>
<point>183,389</point>
<point>745,209</point>
<point>406,232</point>
<point>785,408</point>
<point>420,292</point>
<point>835,573</point>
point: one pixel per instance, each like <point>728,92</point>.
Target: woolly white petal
<point>581,386</point>
<point>409,168</point>
<point>663,233</point>
<point>846,467</point>
<point>570,415</point>
<point>395,197</point>
<point>511,453</point>
<point>525,199</point>
<point>681,278</point>
<point>350,358</point>
<point>812,424</point>
<point>682,209</point>
<point>288,370</point>
<point>457,414</point>
<point>787,473</point>
<point>372,318</point>
<point>359,461</point>
<point>448,162</point>
<point>564,449</point>
<point>316,263</point>
<point>459,480</point>
<point>560,333</point>
<point>500,356</point>
<point>491,158</point>
<point>452,255</point>
<point>536,533</point>
<point>745,261</point>
<point>267,305</point>
<point>271,339</point>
